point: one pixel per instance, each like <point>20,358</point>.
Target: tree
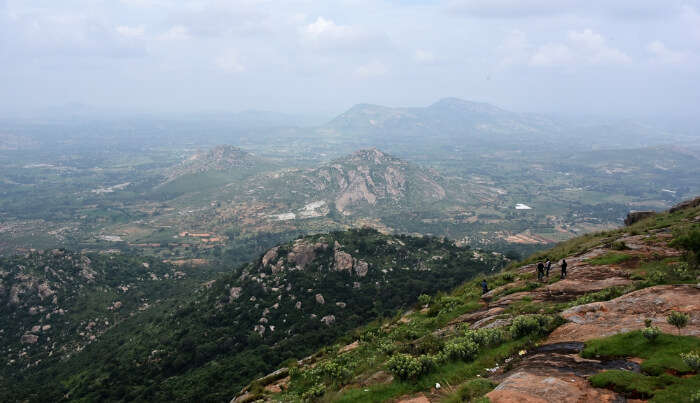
<point>678,319</point>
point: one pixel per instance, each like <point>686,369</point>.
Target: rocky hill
<point>623,323</point>
<point>367,181</point>
<point>290,301</point>
<point>219,158</point>
<point>55,303</point>
<point>454,122</point>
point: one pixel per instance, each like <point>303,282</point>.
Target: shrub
<point>618,245</point>
<point>651,333</point>
<point>462,348</point>
<point>424,299</point>
<point>695,397</point>
<point>404,366</point>
<point>677,319</point>
<point>486,337</point>
<point>508,277</point>
<point>691,359</point>
<point>524,325</point>
<point>317,390</point>
<point>657,277</point>
<point>647,322</point>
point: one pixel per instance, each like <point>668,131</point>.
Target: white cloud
<point>229,61</point>
<point>325,34</point>
<point>581,47</point>
<point>175,33</point>
<point>423,56</point>
<point>552,55</point>
<point>593,48</point>
<point>664,55</point>
<point>131,32</point>
<point>371,69</point>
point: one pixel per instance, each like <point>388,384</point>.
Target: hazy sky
<point>631,57</point>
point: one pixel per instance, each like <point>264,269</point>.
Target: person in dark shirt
<point>540,271</point>
<point>484,286</point>
<point>563,268</point>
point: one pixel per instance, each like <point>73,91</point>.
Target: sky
<point>631,58</point>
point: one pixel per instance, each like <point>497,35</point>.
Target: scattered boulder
<point>319,299</point>
<point>234,293</point>
<point>361,268</point>
<point>328,320</point>
<point>29,338</point>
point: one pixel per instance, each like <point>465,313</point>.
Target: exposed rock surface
<point>626,313</point>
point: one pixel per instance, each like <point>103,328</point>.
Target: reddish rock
<point>527,387</point>
<point>628,312</point>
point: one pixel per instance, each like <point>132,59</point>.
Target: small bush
<point>647,322</point>
<point>462,348</point>
<point>618,245</point>
<point>405,366</point>
<point>691,359</point>
<point>317,390</point>
<point>678,319</point>
<point>508,277</point>
<point>424,299</point>
<point>525,325</point>
<point>651,333</point>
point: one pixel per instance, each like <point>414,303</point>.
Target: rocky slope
<point>367,181</point>
<point>54,303</point>
<point>293,299</point>
<point>528,340</point>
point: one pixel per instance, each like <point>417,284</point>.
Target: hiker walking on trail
<point>540,271</point>
<point>563,268</point>
<point>548,266</point>
<point>484,287</point>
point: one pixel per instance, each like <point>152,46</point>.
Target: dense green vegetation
<point>663,367</point>
<point>247,323</point>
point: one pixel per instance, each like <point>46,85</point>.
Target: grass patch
<point>609,258</point>
<point>471,391</point>
<point>631,384</point>
<point>660,355</point>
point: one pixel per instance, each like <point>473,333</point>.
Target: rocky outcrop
<point>628,312</point>
<point>304,252</point>
<point>685,205</point>
<point>269,256</point>
<point>342,260</point>
<point>635,216</point>
<point>555,373</point>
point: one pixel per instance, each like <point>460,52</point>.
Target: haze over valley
<point>412,201</point>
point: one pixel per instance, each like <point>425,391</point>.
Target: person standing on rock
<point>563,268</point>
<point>484,286</point>
<point>548,266</point>
<point>540,271</point>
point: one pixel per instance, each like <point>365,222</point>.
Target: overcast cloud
<point>624,57</point>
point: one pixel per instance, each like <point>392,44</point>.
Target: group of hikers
<point>542,271</point>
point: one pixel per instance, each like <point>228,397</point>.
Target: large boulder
<point>686,204</point>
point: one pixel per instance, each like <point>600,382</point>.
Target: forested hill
<point>294,299</point>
